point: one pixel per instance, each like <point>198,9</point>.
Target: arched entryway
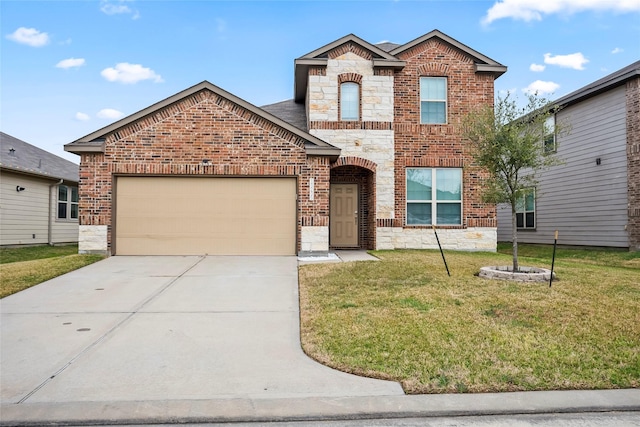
<point>352,204</point>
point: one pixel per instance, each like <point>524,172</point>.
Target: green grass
<point>29,253</point>
<point>403,318</point>
<point>22,268</point>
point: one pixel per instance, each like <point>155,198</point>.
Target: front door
<point>343,220</point>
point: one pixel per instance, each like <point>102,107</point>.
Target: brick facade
<point>633,161</point>
<point>395,140</point>
<point>421,145</point>
<point>212,133</point>
<point>206,135</point>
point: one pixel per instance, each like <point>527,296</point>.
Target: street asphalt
<point>133,340</point>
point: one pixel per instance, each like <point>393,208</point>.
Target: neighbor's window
<point>434,196</point>
<point>549,138</point>
<point>433,100</point>
<point>67,202</point>
<point>526,209</point>
<point>349,101</point>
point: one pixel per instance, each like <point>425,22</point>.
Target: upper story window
<point>549,138</point>
<point>67,202</point>
<point>349,101</point>
<point>433,100</point>
<point>526,209</point>
<point>434,196</point>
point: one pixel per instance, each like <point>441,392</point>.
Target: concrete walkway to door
<point>165,328</point>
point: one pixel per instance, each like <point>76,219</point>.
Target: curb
<point>318,408</point>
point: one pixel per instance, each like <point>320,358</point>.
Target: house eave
<point>604,84</point>
<point>332,152</point>
<point>36,174</point>
<point>77,147</point>
<point>496,70</point>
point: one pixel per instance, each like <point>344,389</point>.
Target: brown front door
<point>343,220</point>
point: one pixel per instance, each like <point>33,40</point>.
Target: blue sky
<point>69,68</point>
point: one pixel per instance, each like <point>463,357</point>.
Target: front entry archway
<point>352,206</point>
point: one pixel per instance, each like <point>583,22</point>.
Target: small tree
<point>508,142</point>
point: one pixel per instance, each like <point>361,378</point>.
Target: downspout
<point>50,223</point>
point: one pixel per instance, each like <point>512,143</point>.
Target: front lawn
<point>21,268</point>
<point>403,319</point>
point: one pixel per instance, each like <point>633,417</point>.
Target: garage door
<point>215,216</point>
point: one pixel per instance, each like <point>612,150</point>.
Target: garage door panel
<point>222,216</point>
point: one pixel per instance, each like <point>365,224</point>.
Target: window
<point>67,202</point>
<point>434,196</point>
<point>349,101</point>
<point>549,137</point>
<point>526,209</point>
<point>433,100</point>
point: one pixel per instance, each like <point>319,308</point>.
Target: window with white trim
<point>526,209</point>
<point>549,136</point>
<point>349,101</point>
<point>434,196</point>
<point>433,100</point>
<point>67,202</point>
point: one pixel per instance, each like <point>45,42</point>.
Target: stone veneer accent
<point>315,240</point>
<point>464,239</point>
<point>93,239</point>
<point>376,92</point>
<point>375,146</point>
<point>633,162</point>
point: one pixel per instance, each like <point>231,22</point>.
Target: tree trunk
<point>514,237</point>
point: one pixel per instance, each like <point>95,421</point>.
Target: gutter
<point>50,221</point>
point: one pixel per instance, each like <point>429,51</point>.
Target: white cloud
<point>70,63</point>
<point>533,10</point>
<point>541,88</point>
<point>82,116</point>
<point>617,50</point>
<point>118,7</point>
<point>109,113</point>
<point>130,73</point>
<point>537,68</point>
<point>573,60</point>
<point>29,36</point>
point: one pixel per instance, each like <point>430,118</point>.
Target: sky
<point>69,68</point>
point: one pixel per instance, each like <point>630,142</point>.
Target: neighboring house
<point>368,155</point>
<point>593,199</point>
<point>38,195</point>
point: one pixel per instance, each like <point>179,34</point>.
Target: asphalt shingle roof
<point>289,111</point>
<point>20,156</point>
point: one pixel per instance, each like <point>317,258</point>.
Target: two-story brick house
<point>368,154</point>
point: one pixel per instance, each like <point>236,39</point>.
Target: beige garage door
<point>215,216</point>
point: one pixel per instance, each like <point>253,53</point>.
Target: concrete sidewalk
<point>319,408</point>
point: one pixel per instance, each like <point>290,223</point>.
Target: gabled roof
<point>601,85</point>
<point>483,63</point>
<point>384,54</point>
<point>319,57</point>
<point>19,156</point>
<point>94,142</point>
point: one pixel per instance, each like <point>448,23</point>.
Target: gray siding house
<point>38,195</point>
<point>593,199</point>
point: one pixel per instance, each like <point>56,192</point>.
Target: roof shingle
<point>20,156</point>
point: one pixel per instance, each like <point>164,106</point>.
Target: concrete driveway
<point>165,328</point>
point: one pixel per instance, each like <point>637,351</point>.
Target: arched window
<point>349,101</point>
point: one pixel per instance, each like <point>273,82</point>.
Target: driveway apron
<point>165,328</point>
